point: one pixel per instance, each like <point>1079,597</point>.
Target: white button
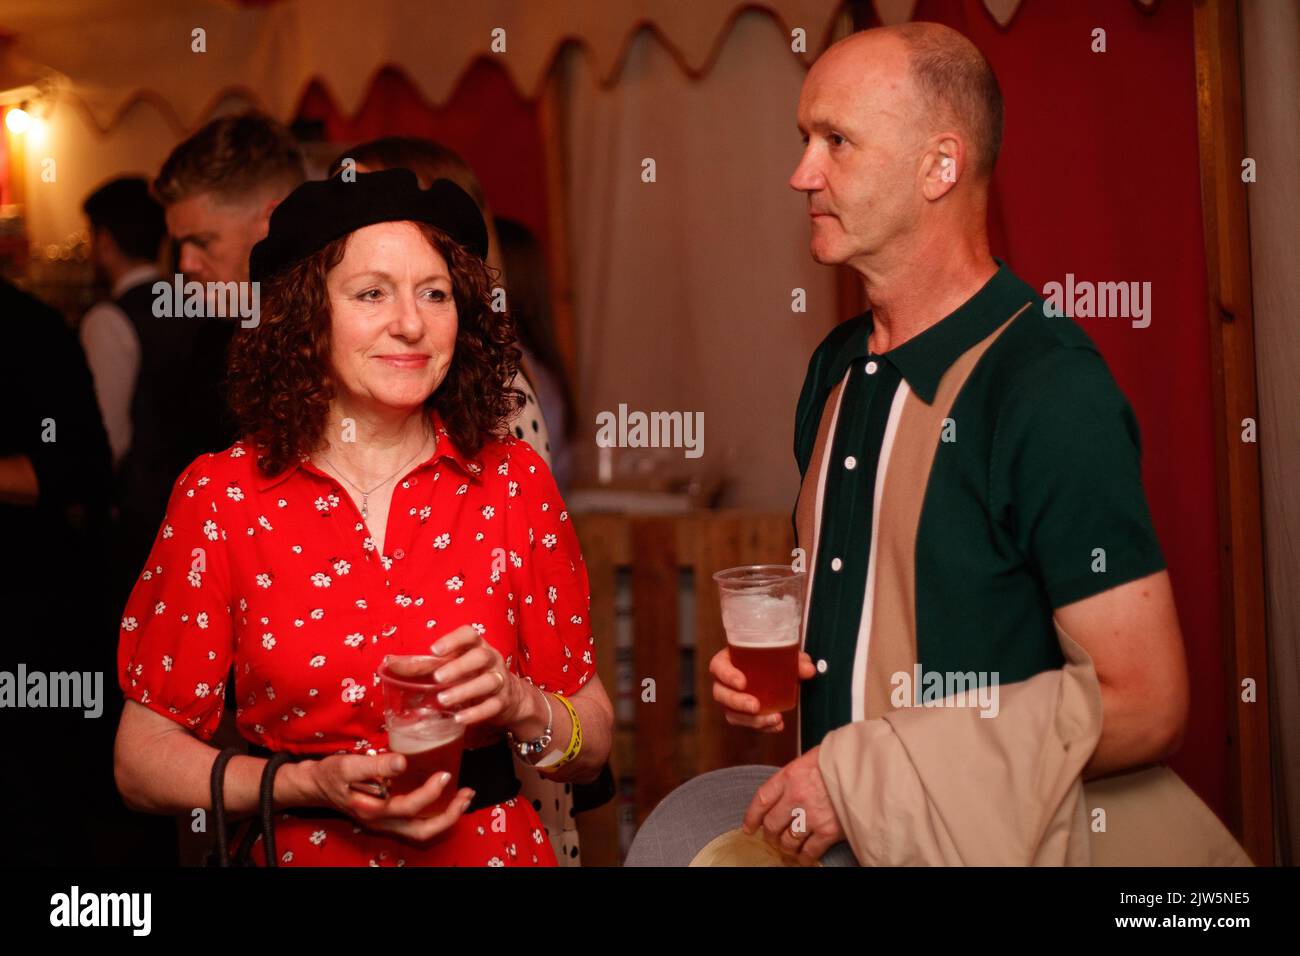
<point>850,463</point>
<point>871,368</point>
<point>836,564</point>
<point>821,667</point>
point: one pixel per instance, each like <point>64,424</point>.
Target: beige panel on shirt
<point>892,647</point>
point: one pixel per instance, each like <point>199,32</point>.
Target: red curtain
<point>485,121</point>
<point>1099,176</point>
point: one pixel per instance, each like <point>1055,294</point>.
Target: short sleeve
<point>552,593</point>
<point>1066,478</point>
<point>176,640</point>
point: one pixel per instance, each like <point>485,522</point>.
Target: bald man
<point>971,473</point>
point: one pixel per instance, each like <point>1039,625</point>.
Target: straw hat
<point>698,824</point>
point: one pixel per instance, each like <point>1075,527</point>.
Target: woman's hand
<point>479,686</point>
<point>332,781</point>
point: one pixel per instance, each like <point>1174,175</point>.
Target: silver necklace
<point>365,495</point>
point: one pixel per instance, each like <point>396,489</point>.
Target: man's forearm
<point>1132,734</point>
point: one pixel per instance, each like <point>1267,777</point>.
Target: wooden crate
<point>661,747</point>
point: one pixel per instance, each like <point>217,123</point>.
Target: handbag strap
<point>273,763</point>
<point>217,791</point>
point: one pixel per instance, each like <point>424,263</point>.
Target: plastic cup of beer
<point>420,728</point>
<point>762,608</point>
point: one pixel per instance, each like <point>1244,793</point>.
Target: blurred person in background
<point>529,302</point>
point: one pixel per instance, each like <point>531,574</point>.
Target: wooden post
<point>1232,363</point>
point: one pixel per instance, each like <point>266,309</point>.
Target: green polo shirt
<point>956,490</point>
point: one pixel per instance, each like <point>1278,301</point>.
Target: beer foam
<point>761,619</point>
<point>422,735</point>
<point>754,641</point>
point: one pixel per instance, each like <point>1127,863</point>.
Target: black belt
<point>489,770</point>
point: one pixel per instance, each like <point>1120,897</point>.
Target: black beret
<point>320,211</point>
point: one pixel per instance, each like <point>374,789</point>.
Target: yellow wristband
<point>575,741</point>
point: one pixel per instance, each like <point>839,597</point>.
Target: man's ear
<point>943,165</point>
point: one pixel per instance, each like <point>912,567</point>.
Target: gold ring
<point>502,677</point>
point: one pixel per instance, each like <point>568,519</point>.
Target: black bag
<point>262,825</point>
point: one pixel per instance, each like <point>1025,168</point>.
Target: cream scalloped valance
<point>116,52</point>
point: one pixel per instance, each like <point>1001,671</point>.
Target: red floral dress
<point>280,579</point>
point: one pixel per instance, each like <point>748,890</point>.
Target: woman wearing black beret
<point>374,507</point>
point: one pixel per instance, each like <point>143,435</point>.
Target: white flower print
<point>299,712</point>
<point>268,641</point>
<point>202,690</point>
<point>424,513</point>
<point>297,622</point>
<point>317,661</point>
<point>210,530</point>
<point>320,580</point>
<point>442,540</point>
<point>234,492</point>
<point>317,838</point>
<point>160,607</point>
<point>236,452</point>
<point>576,619</point>
<point>194,577</point>
<point>550,616</point>
<point>503,468</point>
<point>479,536</point>
<point>167,662</point>
<point>261,519</point>
<point>496,861</point>
<point>341,567</point>
<point>402,599</point>
<point>552,593</point>
<point>564,516</point>
<point>510,615</point>
<point>361,603</point>
<point>549,541</point>
<point>264,580</point>
<point>537,836</point>
<point>479,629</point>
<point>546,506</point>
<point>287,856</point>
<point>281,503</point>
<point>462,489</point>
<point>296,549</point>
<point>167,531</point>
<point>352,691</point>
<point>454,583</point>
<point>354,640</point>
<point>514,489</point>
<point>317,613</point>
<point>202,619</point>
<point>488,511</point>
<point>516,560</point>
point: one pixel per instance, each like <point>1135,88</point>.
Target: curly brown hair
<point>280,379</point>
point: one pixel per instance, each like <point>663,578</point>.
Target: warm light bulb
<point>17,120</point>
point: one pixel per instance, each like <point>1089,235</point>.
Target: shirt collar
<point>133,277</point>
<point>445,448</point>
<point>923,359</point>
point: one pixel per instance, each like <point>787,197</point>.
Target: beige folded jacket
<point>945,786</point>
